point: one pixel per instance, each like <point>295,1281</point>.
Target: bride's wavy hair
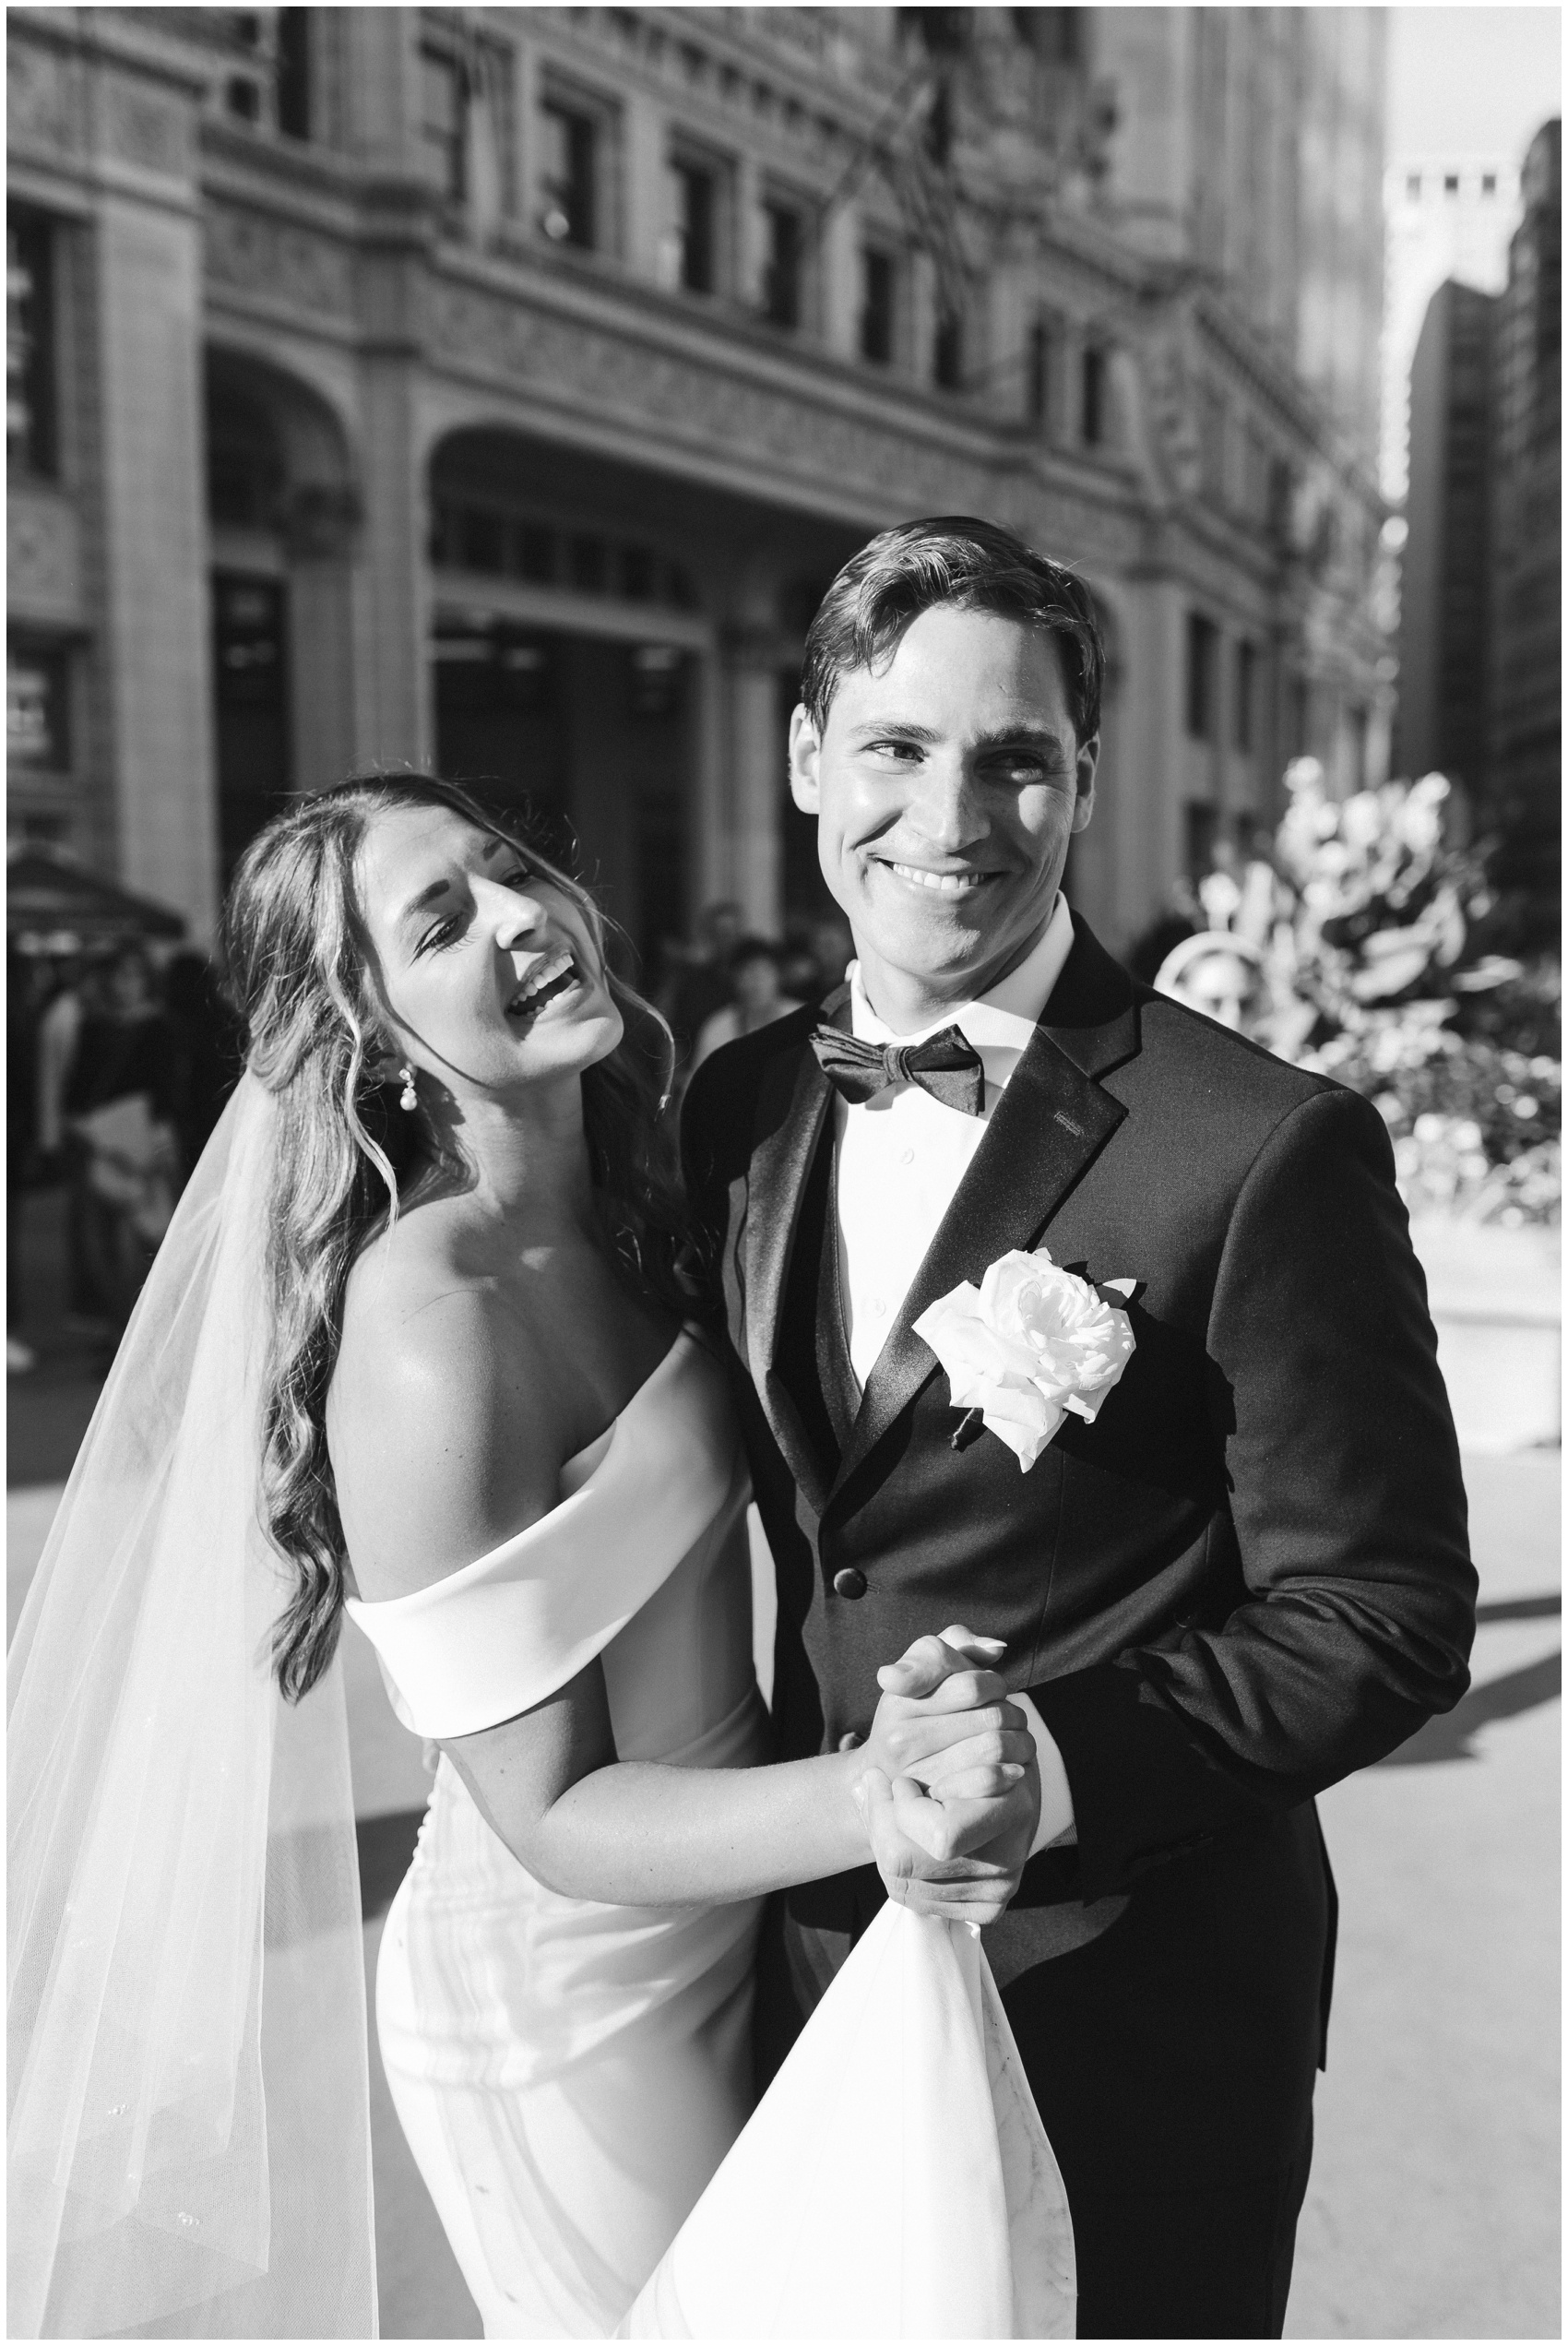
<point>299,967</point>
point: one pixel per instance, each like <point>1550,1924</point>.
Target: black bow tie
<point>945,1065</point>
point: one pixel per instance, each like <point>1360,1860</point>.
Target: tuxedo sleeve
<point>1346,1506</point>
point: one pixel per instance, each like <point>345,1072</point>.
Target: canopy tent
<point>55,905</point>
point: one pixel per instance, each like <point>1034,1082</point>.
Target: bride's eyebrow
<point>438,888</point>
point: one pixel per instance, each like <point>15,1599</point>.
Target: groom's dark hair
<point>965,565</point>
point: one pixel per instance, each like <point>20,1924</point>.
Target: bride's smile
<point>489,972</point>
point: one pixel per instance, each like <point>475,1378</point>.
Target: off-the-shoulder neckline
<point>685,1340</point>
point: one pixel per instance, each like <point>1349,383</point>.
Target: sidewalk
<point>1434,2201</point>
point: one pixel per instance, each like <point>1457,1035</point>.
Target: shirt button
<point>906,1156</point>
<point>850,1742</point>
<point>876,1307</point>
<point>849,1583</point>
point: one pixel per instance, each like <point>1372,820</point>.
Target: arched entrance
<point>607,647</point>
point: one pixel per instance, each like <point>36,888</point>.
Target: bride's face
<point>489,975</point>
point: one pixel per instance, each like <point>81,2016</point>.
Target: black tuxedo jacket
<point>1248,1578</point>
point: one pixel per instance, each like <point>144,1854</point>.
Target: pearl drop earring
<point>408,1098</point>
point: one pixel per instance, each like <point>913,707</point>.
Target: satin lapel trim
<point>1050,1123</point>
<point>791,1118</point>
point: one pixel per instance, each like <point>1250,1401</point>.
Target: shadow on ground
<point>1450,1737</point>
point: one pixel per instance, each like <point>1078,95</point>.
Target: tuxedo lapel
<point>791,1113</point>
<point>1050,1122</point>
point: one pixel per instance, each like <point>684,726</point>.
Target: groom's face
<point>947,785</point>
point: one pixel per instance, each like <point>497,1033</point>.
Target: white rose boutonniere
<point>1027,1345</point>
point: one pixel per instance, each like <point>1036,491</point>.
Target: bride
<point>419,1348</point>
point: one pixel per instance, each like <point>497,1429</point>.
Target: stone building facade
<point>497,389</point>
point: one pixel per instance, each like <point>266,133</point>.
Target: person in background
<point>21,1144</point>
<point>754,968</point>
<point>121,1108</point>
<point>1220,975</point>
<point>1182,918</point>
<point>702,986</point>
<point>73,990</point>
<point>206,1053</point>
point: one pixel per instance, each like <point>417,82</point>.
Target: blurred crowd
<point>1358,939</point>
<point>120,1060</point>
<point>726,983</point>
<point>117,1067</point>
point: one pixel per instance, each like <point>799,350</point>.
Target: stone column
<point>841,281</point>
<point>754,810</point>
<point>145,261</point>
<point>392,700</point>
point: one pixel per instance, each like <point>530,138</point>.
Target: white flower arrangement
<point>1028,1345</point>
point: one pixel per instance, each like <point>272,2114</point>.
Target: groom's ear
<point>805,753</point>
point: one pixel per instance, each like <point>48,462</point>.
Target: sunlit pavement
<point>1434,2200</point>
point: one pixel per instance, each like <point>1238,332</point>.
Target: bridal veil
<point>188,2147</point>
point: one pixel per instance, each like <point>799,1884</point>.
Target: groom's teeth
<point>944,883</point>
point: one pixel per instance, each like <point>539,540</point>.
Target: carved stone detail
<point>151,131</point>
<point>42,556</point>
<point>699,405</point>
<point>42,97</point>
<point>257,254</point>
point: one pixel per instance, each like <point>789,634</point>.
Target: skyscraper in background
<point>1449,217</point>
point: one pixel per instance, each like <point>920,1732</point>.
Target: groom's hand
<point>915,1841</point>
<point>955,1803</point>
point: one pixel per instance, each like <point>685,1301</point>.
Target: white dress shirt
<point>900,1158</point>
<point>902,1155</point>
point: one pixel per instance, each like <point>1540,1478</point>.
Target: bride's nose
<point>518,917</point>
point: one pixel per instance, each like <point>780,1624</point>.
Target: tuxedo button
<point>848,1583</point>
<point>851,1740</point>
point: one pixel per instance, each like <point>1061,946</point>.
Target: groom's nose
<point>945,807</point>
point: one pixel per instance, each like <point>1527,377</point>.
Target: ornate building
<point>497,389</point>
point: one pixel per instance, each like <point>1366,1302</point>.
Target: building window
<point>783,275</point>
<point>1413,185</point>
<point>948,351</point>
<point>443,123</point>
<point>697,225</point>
<point>1450,183</point>
<point>1202,650</point>
<point>1488,183</point>
<point>38,707</point>
<point>293,71</point>
<point>878,280</point>
<point>1096,415</point>
<point>1246,695</point>
<point>32,436</point>
<point>568,176</point>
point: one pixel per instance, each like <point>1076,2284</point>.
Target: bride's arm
<point>638,1833</point>
<point>448,1429</point>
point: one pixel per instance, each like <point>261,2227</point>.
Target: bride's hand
<point>945,1720</point>
<point>915,1841</point>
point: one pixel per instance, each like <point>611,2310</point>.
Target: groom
<point>1245,1578</point>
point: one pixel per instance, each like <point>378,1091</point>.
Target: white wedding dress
<point>571,2075</point>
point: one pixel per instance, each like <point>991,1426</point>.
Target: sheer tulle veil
<point>189,2129</point>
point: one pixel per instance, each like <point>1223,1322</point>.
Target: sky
<point>1472,80</point>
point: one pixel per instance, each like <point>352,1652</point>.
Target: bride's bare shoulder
<point>440,1421</point>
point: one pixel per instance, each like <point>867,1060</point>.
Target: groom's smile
<point>948,782</point>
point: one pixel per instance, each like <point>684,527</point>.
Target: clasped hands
<point>949,1789</point>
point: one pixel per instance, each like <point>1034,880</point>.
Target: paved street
<point>1435,2202</point>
